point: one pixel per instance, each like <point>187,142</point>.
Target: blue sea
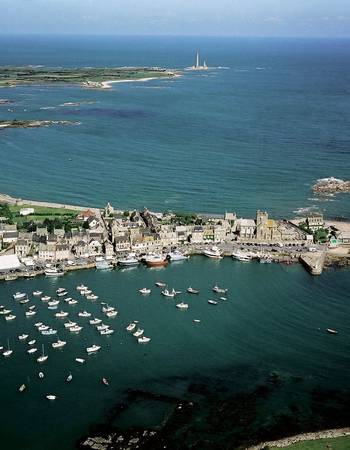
<point>256,130</point>
<point>269,118</point>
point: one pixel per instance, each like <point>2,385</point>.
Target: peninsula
<point>92,77</point>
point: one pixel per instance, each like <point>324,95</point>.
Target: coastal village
<point>69,238</point>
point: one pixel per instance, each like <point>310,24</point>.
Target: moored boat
<point>176,255</point>
<point>144,291</point>
<point>213,252</point>
<point>58,344</point>
<point>130,260</point>
<point>242,256</point>
<point>219,290</point>
<point>143,340</point>
<point>331,331</point>
<point>190,290</point>
<point>19,295</point>
<point>155,260</point>
<point>53,272</point>
<point>93,349</point>
<point>182,305</point>
<point>212,302</point>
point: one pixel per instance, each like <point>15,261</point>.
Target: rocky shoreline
<point>34,123</point>
<point>331,185</point>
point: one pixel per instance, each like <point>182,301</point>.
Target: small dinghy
<point>144,291</point>
<point>41,375</point>
<point>212,302</point>
<point>331,331</point>
<point>190,290</point>
<point>80,360</point>
<point>69,378</point>
<point>51,397</point>
<point>22,387</point>
<point>105,381</point>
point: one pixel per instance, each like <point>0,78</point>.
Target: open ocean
<point>255,131</point>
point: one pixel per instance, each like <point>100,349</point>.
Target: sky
<point>313,18</point>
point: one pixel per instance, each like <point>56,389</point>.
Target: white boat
<point>95,321</point>
<point>43,357</point>
<point>68,299</point>
<point>130,260</point>
<point>69,324</point>
<point>49,332</point>
<point>72,302</point>
<point>54,303</point>
<point>60,289</point>
<point>219,290</point>
<point>59,344</point>
<point>223,298</point>
<point>7,352</point>
<point>75,329</point>
<point>93,349</point>
<point>102,327</point>
<point>196,321</point>
<point>160,284</point>
<point>5,311</point>
<point>103,265</point>
<point>182,305</point>
<point>22,387</point>
<point>176,255</point>
<point>213,252</point>
<point>69,378</point>
<point>32,342</point>
<point>143,340</point>
<point>212,302</point>
<point>61,314</point>
<point>80,360</point>
<point>131,327</point>
<point>23,337</point>
<point>32,350</point>
<point>45,298</point>
<point>81,287</point>
<point>86,292</point>
<point>168,293</point>
<point>51,397</point>
<point>19,295</point>
<point>24,301</point>
<point>10,317</point>
<point>38,324</point>
<point>43,328</point>
<point>106,332</point>
<point>144,291</point>
<point>53,272</point>
<point>242,256</point>
<point>265,260</point>
<point>92,297</point>
<point>31,307</point>
<point>139,332</point>
<point>62,294</point>
<point>37,293</point>
<point>84,314</point>
<point>190,290</point>
<point>107,308</point>
<point>41,375</point>
<point>30,313</point>
<point>112,314</point>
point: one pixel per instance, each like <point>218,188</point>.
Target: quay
<point>314,262</point>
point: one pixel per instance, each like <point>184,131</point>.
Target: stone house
<point>62,251</point>
<point>47,252</point>
<point>246,228</point>
<point>315,221</point>
<point>22,248</point>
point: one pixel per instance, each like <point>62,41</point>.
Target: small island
<point>34,123</point>
<point>331,185</point>
<point>90,77</point>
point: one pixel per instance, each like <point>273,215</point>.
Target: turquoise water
<point>273,320</point>
<point>255,133</point>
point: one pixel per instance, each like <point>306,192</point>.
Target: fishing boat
<point>182,305</point>
<point>176,255</point>
<point>219,290</point>
<point>69,378</point>
<point>53,272</point>
<point>43,357</point>
<point>190,290</point>
<point>144,291</point>
<point>112,314</point>
<point>32,350</point>
<point>61,314</point>
<point>93,349</point>
<point>143,340</point>
<point>80,360</point>
<point>32,342</point>
<point>130,260</point>
<point>213,253</point>
<point>45,298</point>
<point>139,332</point>
<point>37,293</point>
<point>19,295</point>
<point>167,293</point>
<point>106,332</point>
<point>84,314</point>
<point>58,344</point>
<point>95,321</point>
<point>131,327</point>
<point>7,352</point>
<point>331,331</point>
<point>10,317</point>
<point>212,302</point>
<point>22,387</point>
<point>23,337</point>
<point>69,324</point>
<point>155,260</point>
<point>51,397</point>
<point>105,381</point>
<point>30,313</point>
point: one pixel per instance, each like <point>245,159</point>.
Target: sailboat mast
<point>197,59</point>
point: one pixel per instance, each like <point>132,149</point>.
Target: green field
<point>340,443</point>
